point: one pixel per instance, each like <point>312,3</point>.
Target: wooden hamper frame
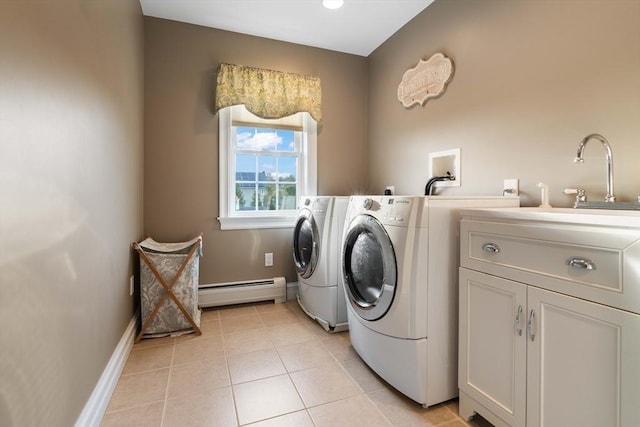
<point>168,289</point>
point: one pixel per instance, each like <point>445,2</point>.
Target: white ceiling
<point>358,28</point>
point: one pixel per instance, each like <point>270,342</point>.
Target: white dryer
<point>400,266</point>
<point>317,246</point>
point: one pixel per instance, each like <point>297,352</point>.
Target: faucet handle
<point>581,194</point>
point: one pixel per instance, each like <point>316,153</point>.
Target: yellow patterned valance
<point>268,94</point>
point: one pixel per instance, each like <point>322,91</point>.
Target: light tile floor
<point>261,365</point>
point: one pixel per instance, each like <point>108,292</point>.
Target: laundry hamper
<point>169,287</point>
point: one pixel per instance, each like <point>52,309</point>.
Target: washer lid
<point>369,267</point>
<point>305,244</point>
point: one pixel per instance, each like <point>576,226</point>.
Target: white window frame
<point>307,178</point>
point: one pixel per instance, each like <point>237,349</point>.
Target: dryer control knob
<point>307,202</point>
<point>367,203</point>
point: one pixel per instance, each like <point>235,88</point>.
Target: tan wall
<point>532,79</point>
<point>181,140</point>
<point>71,147</point>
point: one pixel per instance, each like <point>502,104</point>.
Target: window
<point>265,167</point>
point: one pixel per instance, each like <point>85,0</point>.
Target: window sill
<point>250,223</point>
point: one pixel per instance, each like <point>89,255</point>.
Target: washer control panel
<point>398,209</point>
<point>392,210</point>
<point>317,205</point>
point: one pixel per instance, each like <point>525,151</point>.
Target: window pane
<point>267,197</point>
<point>245,197</point>
<point>287,196</point>
<point>248,138</point>
<point>267,168</point>
<point>245,167</point>
<point>289,142</point>
<point>244,138</point>
<point>287,169</point>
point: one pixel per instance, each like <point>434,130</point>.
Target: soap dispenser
<point>544,195</point>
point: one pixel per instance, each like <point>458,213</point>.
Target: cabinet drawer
<point>594,263</point>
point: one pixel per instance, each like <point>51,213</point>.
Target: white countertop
<point>613,218</point>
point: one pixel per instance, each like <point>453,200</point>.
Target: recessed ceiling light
<point>332,4</point>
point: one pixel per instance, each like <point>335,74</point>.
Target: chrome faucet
<point>609,158</point>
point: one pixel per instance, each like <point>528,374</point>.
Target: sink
<point>608,205</point>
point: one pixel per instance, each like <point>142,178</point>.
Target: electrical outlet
<point>131,285</point>
<point>510,187</point>
<point>268,259</point>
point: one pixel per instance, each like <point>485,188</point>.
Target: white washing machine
<point>317,250</point>
<point>400,266</point>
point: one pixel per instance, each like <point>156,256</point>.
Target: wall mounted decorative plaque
<point>426,80</point>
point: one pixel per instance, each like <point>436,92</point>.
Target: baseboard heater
<point>217,294</point>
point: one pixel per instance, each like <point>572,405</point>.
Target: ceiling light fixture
<point>332,4</point>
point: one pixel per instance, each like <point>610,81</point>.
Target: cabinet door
<point>492,344</point>
<point>583,363</point>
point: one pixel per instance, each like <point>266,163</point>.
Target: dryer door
<point>369,267</point>
<point>305,244</point>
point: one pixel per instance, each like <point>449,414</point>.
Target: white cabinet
<point>530,355</point>
<point>583,363</point>
<point>492,349</point>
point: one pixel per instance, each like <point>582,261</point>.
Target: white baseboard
<point>96,406</point>
<point>218,294</point>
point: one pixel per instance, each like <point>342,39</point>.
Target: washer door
<point>369,267</point>
<point>305,244</point>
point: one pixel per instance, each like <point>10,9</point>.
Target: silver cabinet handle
<point>532,315</point>
<point>518,328</point>
<point>491,248</point>
<point>581,263</point>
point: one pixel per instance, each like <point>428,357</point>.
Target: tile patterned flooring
<point>261,365</point>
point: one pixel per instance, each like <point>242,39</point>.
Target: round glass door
<point>305,246</point>
<point>369,266</point>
